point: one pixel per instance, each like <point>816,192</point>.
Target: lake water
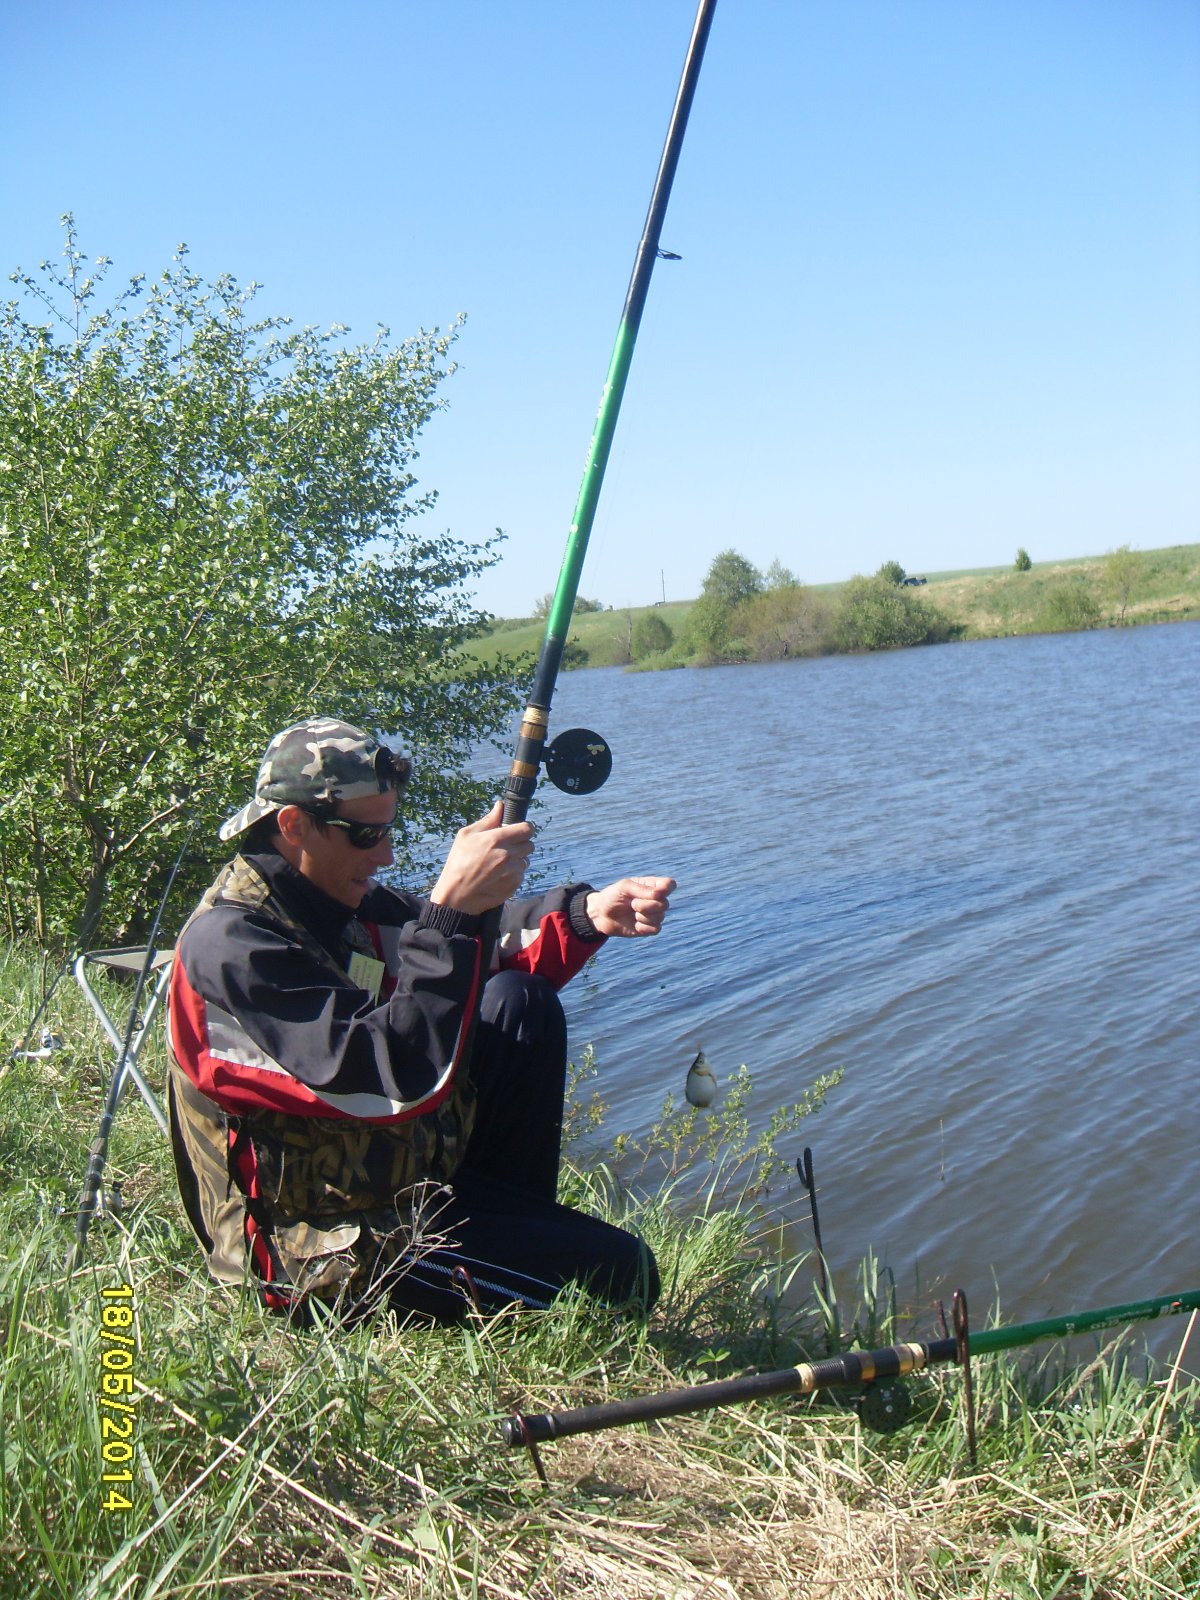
<point>970,875</point>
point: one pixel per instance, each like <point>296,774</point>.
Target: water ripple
<point>969,874</point>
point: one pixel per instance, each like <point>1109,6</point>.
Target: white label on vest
<point>367,973</point>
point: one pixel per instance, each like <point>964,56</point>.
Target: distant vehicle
<point>911,583</point>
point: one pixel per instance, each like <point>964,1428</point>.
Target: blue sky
<point>940,287</point>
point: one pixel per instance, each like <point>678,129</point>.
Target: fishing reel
<point>578,761</point>
<point>884,1406</point>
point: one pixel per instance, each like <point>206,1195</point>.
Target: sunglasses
<point>361,835</point>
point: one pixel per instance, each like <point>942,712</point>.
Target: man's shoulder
<point>240,897</point>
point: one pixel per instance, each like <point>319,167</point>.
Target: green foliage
<point>507,624</point>
<point>582,607</point>
<point>716,1145</point>
<point>719,1141</point>
<point>979,603</point>
<point>650,637</point>
<point>206,533</point>
<point>1068,605</point>
<point>777,576</point>
<point>1123,574</point>
<point>892,572</point>
<point>1022,563</point>
<point>731,579</point>
<point>573,655</point>
<point>707,636</point>
<point>785,620</point>
<point>875,614</point>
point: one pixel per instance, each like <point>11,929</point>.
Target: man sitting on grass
<point>337,1130</point>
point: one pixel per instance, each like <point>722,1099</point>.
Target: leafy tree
<point>1022,562</point>
<point>651,636</point>
<point>205,534</point>
<point>785,620</point>
<point>777,576</point>
<point>1124,570</point>
<point>731,579</point>
<point>874,614</point>
<point>892,572</point>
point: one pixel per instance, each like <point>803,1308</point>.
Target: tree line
<point>743,614</point>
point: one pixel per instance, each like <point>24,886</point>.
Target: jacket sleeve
<point>258,1022</point>
<point>551,935</point>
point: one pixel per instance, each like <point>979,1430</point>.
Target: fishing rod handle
<point>526,761</point>
<point>850,1370</point>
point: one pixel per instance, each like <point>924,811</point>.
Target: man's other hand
<point>631,908</point>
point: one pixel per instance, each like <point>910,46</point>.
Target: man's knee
<point>522,1004</point>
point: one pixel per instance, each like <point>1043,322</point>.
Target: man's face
<point>327,858</point>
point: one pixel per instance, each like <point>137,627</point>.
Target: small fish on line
<point>701,1085</point>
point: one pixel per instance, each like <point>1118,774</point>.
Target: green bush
<point>1125,570</point>
<point>581,606</point>
<point>874,614</point>
<point>1066,606</point>
<point>1022,562</point>
<point>651,636</point>
<point>786,621</point>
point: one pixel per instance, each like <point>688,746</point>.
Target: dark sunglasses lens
<point>362,835</point>
<point>366,835</point>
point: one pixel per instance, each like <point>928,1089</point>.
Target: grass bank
<point>1162,586</point>
<point>265,1461</point>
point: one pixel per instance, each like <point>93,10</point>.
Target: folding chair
<point>127,1046</point>
<point>137,1029</point>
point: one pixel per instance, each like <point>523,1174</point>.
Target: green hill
<point>980,602</point>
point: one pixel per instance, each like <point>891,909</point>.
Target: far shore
<point>979,603</point>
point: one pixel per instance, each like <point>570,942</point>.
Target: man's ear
<point>293,824</point>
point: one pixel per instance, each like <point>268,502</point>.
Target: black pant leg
<point>498,1219</point>
<point>516,1247</point>
<point>519,1068</point>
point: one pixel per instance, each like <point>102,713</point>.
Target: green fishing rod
<point>580,761</point>
<point>855,1368</point>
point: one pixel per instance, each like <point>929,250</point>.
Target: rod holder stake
<point>962,1339</point>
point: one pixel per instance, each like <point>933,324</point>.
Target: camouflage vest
<point>336,1198</point>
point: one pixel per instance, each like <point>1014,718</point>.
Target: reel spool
<point>886,1406</point>
<point>578,761</point>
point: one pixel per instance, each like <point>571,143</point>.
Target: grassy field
<point>979,603</point>
<point>265,1461</point>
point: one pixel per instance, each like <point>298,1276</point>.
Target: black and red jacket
<point>270,1031</point>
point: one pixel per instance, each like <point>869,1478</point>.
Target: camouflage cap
<point>319,760</point>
